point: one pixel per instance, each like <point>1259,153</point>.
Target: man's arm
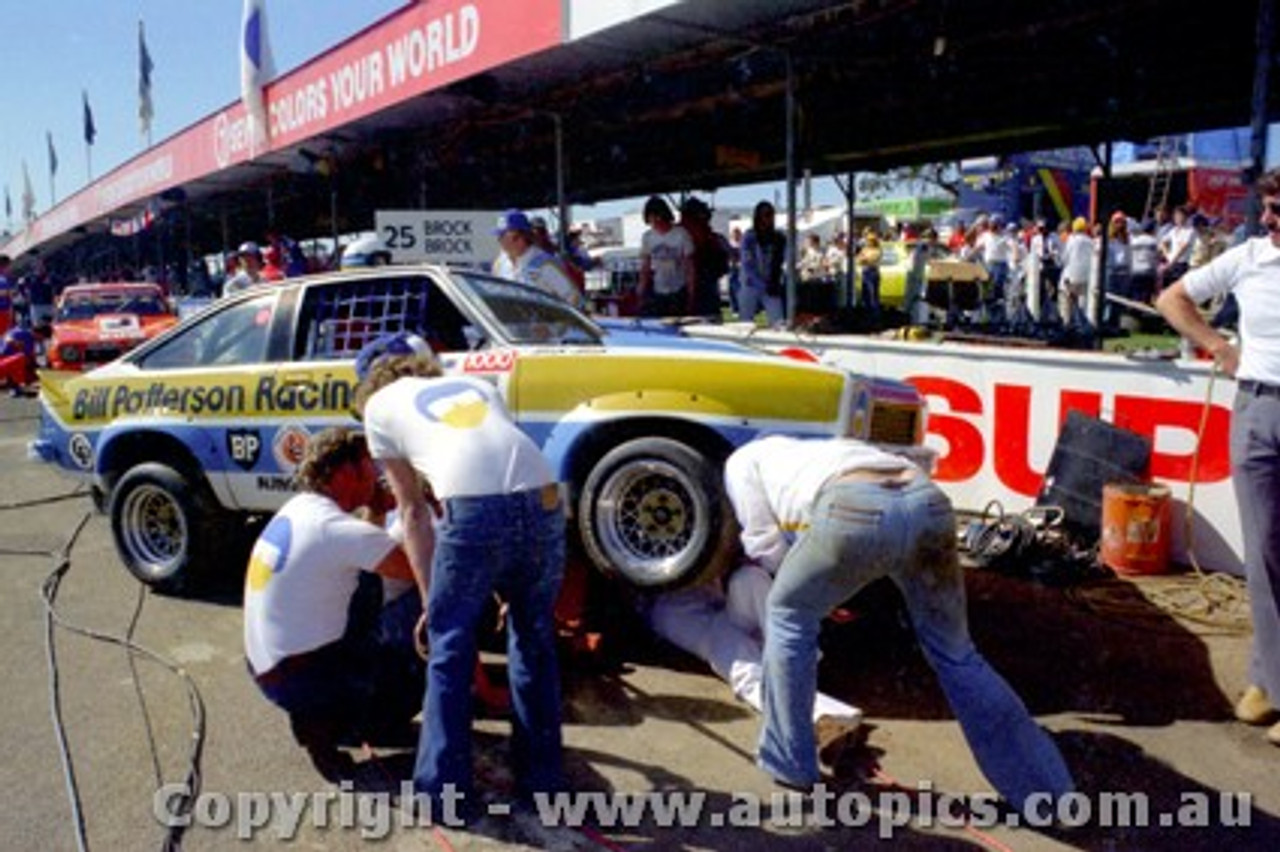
<point>395,565</point>
<point>1181,312</point>
<point>415,516</point>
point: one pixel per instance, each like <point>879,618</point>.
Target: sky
<point>54,49</point>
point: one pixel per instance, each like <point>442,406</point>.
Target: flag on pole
<point>28,195</point>
<point>53,154</point>
<point>145,110</point>
<point>256,68</point>
<point>90,131</point>
<point>8,203</point>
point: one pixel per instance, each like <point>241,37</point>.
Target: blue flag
<point>145,66</point>
<point>53,155</point>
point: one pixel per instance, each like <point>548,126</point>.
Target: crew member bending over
<point>827,517</point>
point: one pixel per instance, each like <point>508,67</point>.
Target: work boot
<point>1254,708</point>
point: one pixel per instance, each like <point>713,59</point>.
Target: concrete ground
<point>1139,701</point>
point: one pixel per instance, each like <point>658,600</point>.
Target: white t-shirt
<point>455,431</point>
<point>303,570</point>
<point>667,253</point>
<point>1179,243</point>
<point>541,269</point>
<point>772,483</point>
<point>503,267</point>
<point>1251,270</point>
<point>1145,254</point>
<point>1077,259</point>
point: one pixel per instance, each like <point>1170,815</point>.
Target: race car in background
<point>188,434</point>
<point>97,323</point>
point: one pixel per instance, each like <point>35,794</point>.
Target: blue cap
<point>512,220</point>
<point>386,345</point>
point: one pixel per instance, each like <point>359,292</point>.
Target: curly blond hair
<point>388,368</point>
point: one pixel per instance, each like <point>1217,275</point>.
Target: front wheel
<point>164,525</point>
<point>652,514</point>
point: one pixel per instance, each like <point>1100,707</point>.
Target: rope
<point>53,619</point>
<point>1217,604</point>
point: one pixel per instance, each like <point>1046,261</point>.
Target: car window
<point>528,315</point>
<point>235,335</point>
<point>339,317</point>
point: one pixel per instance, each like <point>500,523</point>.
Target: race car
<point>97,323</point>
<point>185,435</point>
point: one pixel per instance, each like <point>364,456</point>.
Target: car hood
<point>111,327</point>
<point>650,334</point>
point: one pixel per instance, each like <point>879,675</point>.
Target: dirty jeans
<point>513,544</point>
<point>862,531</point>
<point>1255,468</point>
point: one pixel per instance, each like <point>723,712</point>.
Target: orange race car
<point>97,323</point>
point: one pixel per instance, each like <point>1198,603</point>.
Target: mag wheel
<point>652,514</point>
<point>164,526</point>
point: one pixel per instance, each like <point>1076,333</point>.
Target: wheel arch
<point>126,450</point>
<point>594,443</point>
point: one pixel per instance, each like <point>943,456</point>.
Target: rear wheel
<point>165,526</point>
<point>652,514</point>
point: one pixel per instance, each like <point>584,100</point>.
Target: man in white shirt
<point>250,272</point>
<point>828,516</point>
<point>319,643</point>
<point>1251,272</point>
<point>1176,246</point>
<point>449,442</point>
<point>524,261</point>
<point>668,279</point>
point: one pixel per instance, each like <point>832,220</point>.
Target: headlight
<point>70,354</point>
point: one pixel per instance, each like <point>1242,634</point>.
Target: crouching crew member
<point>320,642</point>
<point>827,517</point>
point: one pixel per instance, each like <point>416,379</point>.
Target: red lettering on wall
<point>965,447</point>
<point>1013,432</point>
<point>1145,415</point>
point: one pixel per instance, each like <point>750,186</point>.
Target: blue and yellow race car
<point>185,436</point>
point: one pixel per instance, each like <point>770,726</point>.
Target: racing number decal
<point>490,361</point>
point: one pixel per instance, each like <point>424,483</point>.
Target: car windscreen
<point>526,314</point>
<point>88,305</point>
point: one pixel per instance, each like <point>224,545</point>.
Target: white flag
<point>256,68</point>
<point>28,195</point>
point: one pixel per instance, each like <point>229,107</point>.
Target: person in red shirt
<point>272,264</point>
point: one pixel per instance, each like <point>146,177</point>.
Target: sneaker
<point>1254,708</point>
<point>838,738</point>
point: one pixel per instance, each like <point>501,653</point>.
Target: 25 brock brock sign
<point>439,236</point>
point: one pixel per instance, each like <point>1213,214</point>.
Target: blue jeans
<point>513,544</point>
<point>370,677</point>
<point>870,297</point>
<point>862,531</point>
<point>1255,469</point>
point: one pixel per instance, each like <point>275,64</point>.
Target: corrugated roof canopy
<point>693,97</point>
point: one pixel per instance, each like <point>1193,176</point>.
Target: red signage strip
<point>419,49</point>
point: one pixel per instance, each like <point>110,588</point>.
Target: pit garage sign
<point>463,237</point>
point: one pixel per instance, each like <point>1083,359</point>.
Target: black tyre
<point>165,526</point>
<point>652,514</point>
